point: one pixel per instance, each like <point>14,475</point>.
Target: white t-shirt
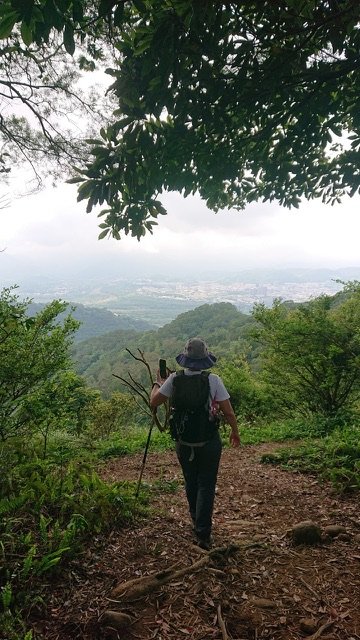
<point>218,391</point>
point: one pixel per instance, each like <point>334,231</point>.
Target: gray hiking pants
<point>200,476</point>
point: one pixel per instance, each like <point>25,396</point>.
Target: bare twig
<point>321,630</point>
<point>222,624</point>
<point>142,408</point>
<point>136,388</point>
<point>143,360</point>
<point>132,387</point>
<point>137,384</point>
<point>310,588</point>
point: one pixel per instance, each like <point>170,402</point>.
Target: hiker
<point>196,398</point>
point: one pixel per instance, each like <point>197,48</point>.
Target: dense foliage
<point>34,353</point>
<point>335,457</point>
<point>251,397</point>
<point>56,431</point>
<point>225,329</point>
<point>93,321</point>
<point>292,359</point>
<point>51,502</point>
<point>239,101</point>
<point>311,359</point>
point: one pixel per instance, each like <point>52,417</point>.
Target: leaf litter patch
<point>262,586</point>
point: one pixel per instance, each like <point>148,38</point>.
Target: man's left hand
<point>235,440</point>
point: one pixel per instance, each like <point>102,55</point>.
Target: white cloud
<point>191,214</point>
<point>52,229</point>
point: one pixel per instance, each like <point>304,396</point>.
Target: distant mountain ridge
<point>295,274</point>
<point>221,324</point>
<point>227,331</point>
<point>97,322</point>
<point>158,300</point>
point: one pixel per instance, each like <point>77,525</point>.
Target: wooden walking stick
<point>138,389</point>
<point>144,460</point>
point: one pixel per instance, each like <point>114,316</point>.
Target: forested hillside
<point>292,372</point>
<point>224,328</point>
<point>96,322</point>
<point>281,361</point>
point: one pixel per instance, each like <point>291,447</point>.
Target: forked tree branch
<point>137,389</point>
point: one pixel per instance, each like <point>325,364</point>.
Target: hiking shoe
<point>204,543</point>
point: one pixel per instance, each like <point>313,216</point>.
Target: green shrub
<point>132,439</point>
<point>276,431</point>
<point>335,457</point>
<point>47,516</point>
<point>249,396</point>
<point>115,413</point>
<point>311,354</point>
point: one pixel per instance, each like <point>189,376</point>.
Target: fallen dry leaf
<point>271,502</point>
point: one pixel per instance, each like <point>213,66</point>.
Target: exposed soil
<point>267,589</point>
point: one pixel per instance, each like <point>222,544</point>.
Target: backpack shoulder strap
<point>206,374</point>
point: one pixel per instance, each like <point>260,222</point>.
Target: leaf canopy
<point>239,101</point>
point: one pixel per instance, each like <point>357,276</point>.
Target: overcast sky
<point>49,232</point>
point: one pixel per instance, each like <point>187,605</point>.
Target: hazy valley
<point>158,299</point>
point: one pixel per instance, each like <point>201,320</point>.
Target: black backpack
<point>190,420</point>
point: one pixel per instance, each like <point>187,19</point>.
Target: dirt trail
<point>271,590</point>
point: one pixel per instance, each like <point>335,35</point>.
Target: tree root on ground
<point>134,589</point>
<point>139,587</point>
<point>222,624</point>
<point>324,627</point>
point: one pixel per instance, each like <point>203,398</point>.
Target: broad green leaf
<point>94,141</point>
<point>7,24</point>
<point>78,11</point>
<point>105,6</point>
<point>119,14</point>
<point>140,6</point>
<point>68,39</point>
<point>85,190</point>
<point>26,34</point>
<point>74,180</point>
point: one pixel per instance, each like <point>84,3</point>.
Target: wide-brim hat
<point>196,355</point>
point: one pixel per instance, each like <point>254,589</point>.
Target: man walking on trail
<point>196,398</point>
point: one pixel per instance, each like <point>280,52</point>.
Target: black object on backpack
<point>190,419</point>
